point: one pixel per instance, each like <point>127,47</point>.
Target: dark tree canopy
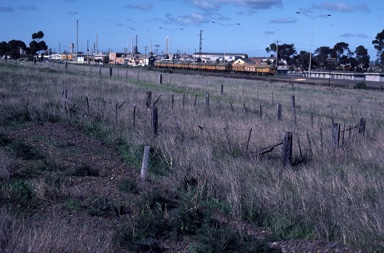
<point>362,57</point>
<point>378,43</point>
<point>38,36</point>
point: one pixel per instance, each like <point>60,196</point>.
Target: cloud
<point>283,21</point>
<point>342,7</point>
<point>250,4</point>
<point>27,7</point>
<point>143,6</point>
<point>354,35</point>
<point>191,19</point>
<point>6,9</point>
<point>205,5</point>
<point>269,32</point>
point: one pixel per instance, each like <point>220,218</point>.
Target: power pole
<point>157,49</point>
<point>277,51</point>
<point>201,44</point>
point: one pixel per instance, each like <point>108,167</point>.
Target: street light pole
<point>310,53</point>
<point>225,34</point>
<point>170,30</point>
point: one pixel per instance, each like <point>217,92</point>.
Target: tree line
<point>344,57</point>
<point>14,49</point>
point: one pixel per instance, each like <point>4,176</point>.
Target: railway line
<point>289,79</point>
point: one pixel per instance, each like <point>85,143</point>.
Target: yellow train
<point>261,69</point>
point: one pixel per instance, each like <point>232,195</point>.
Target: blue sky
<point>262,22</point>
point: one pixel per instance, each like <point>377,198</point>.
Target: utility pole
<point>277,51</point>
<point>201,44</point>
<point>157,49</point>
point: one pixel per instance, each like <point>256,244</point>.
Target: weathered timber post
<point>245,109</point>
<point>144,164</point>
<point>87,101</point>
<point>287,149</point>
<point>160,78</point>
<point>195,99</point>
<point>183,101</point>
<point>261,112</point>
<point>221,90</point>
<point>66,65</point>
<point>148,100</point>
<point>207,100</point>
<point>293,102</point>
<point>278,112</point>
<point>249,139</point>
<point>154,121</point>
<point>172,100</point>
<point>231,107</point>
<point>362,126</point>
<point>110,71</point>
<point>134,116</point>
<point>116,113</point>
<point>294,109</point>
<point>321,138</point>
<point>335,135</point>
<point>299,145</point>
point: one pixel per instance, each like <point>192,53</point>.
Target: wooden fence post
<point>287,149</point>
<point>134,116</point>
<point>160,78</point>
<point>207,100</point>
<point>148,100</point>
<point>110,71</point>
<point>362,126</point>
<point>335,134</point>
<point>195,99</point>
<point>221,90</point>
<point>172,100</point>
<point>261,112</point>
<point>154,121</point>
<point>144,164</point>
<point>278,112</point>
<point>249,139</point>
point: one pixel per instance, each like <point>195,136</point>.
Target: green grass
<point>196,169</point>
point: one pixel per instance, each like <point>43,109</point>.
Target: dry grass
<point>330,194</point>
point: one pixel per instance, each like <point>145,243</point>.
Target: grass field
<point>72,141</point>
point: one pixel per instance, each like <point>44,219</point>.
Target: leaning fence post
<point>144,164</point>
<point>287,149</point>
<point>154,121</point>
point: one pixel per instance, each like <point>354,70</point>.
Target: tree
<point>378,43</point>
<point>322,54</point>
<point>339,49</point>
<point>3,48</point>
<point>37,45</point>
<point>302,60</point>
<point>362,57</point>
<point>285,51</point>
<point>38,36</point>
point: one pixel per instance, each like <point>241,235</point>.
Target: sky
<point>118,25</point>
